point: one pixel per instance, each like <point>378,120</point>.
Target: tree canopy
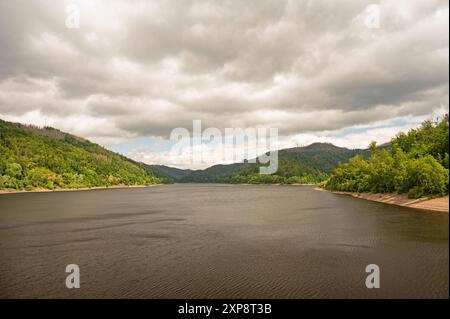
<point>35,158</point>
<point>417,165</point>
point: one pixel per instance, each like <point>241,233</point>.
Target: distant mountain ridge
<point>172,173</point>
<point>310,164</point>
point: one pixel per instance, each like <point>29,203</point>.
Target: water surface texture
<point>218,241</point>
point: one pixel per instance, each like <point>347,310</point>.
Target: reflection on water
<point>218,241</point>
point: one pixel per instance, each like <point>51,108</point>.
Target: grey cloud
<point>147,67</point>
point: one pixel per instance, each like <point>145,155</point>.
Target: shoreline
<point>83,189</point>
<point>438,205</point>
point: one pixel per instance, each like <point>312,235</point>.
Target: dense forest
<point>302,165</point>
<point>417,165</point>
<point>46,158</point>
<point>170,174</point>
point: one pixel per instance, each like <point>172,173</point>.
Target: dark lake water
<point>218,241</point>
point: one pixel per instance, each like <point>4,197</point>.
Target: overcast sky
<point>134,70</point>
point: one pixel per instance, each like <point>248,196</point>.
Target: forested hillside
<point>171,174</point>
<point>417,165</point>
<point>35,158</point>
<point>310,164</point>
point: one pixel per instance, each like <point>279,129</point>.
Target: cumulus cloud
<point>140,68</point>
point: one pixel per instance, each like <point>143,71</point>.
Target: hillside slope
<point>35,158</point>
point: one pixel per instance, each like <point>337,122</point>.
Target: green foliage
<point>426,176</point>
<point>32,158</point>
<point>14,170</point>
<point>169,174</point>
<point>417,165</point>
<point>429,139</point>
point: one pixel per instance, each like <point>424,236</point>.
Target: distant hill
<point>310,164</point>
<point>321,156</point>
<point>46,158</point>
<point>170,173</point>
<point>214,174</point>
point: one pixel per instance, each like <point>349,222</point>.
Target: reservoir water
<point>218,241</point>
